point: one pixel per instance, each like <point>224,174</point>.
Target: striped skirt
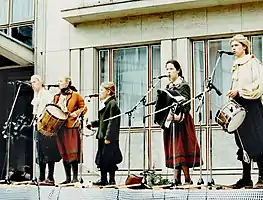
<point>181,148</point>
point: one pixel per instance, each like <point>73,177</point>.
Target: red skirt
<point>68,142</point>
<point>181,148</point>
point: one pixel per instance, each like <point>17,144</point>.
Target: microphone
<point>226,52</point>
<point>93,95</point>
<point>162,76</point>
<point>51,85</point>
<point>19,82</point>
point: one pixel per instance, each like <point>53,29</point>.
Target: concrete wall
<point>67,50</point>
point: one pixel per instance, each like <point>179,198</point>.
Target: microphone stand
<point>200,97</point>
<point>143,100</point>
<point>80,119</point>
<point>209,87</point>
<point>7,131</point>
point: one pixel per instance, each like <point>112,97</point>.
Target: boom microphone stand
<point>143,100</point>
<point>209,87</point>
<point>7,134</point>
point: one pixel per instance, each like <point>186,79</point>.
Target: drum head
<point>236,120</point>
<point>56,111</point>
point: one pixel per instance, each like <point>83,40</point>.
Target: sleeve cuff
<point>239,92</point>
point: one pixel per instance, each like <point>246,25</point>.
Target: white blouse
<point>247,77</point>
<point>40,100</point>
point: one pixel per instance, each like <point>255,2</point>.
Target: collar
<point>178,81</point>
<point>69,91</point>
<point>105,101</point>
<point>243,60</point>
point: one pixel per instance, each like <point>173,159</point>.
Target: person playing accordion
<point>181,148</point>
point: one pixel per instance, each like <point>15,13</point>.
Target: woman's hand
<point>106,141</point>
<point>232,93</point>
<point>170,117</point>
<point>74,114</point>
<point>179,117</point>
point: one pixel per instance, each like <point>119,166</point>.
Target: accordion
<point>166,98</point>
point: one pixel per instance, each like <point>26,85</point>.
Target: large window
<point>16,19</point>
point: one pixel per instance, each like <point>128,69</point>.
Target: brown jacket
<point>75,103</point>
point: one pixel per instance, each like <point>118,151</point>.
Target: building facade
<point>129,42</point>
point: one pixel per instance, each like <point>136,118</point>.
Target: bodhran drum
<point>51,120</point>
<point>231,116</point>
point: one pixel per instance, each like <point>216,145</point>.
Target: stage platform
<point>31,192</point>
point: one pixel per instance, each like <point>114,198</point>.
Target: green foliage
<point>155,179</point>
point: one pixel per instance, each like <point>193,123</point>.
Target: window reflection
<point>130,75</point>
<point>23,10</point>
<point>3,31</point>
<point>3,11</point>
<point>199,75</point>
<point>156,71</point>
<point>104,65</point>
<point>222,76</point>
<point>257,47</point>
<point>23,34</point>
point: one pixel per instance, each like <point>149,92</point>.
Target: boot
<point>245,181</point>
<point>112,178</point>
<point>75,172</point>
<point>103,178</point>
<point>259,184</point>
<point>50,177</point>
<point>67,168</point>
<point>42,169</point>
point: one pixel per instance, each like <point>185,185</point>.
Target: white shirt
<point>40,100</point>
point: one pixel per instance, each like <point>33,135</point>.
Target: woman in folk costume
<point>68,139</point>
<point>47,150</point>
<point>108,153</point>
<point>180,144</point>
<point>247,89</point>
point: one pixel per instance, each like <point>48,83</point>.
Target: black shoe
<point>66,181</point>
<point>100,183</point>
<point>112,182</point>
<point>259,184</point>
<point>243,183</point>
<point>74,180</point>
<point>175,182</point>
<point>189,183</point>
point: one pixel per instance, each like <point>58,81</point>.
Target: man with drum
<point>47,150</point>
<point>247,89</point>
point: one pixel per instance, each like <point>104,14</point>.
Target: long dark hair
<point>176,65</point>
